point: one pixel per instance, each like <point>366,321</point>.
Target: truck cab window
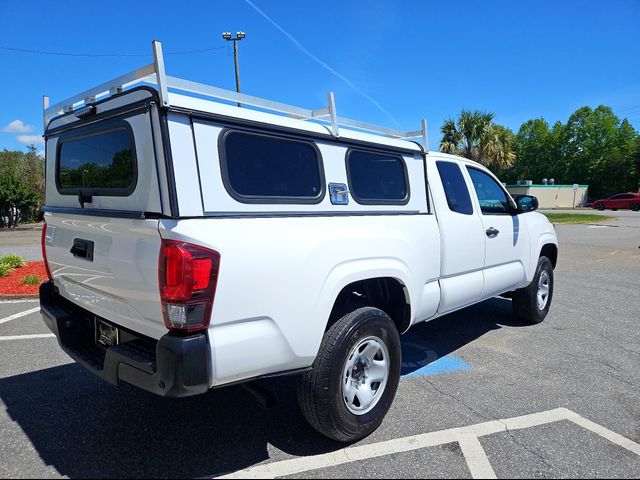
<point>491,196</point>
<point>455,188</point>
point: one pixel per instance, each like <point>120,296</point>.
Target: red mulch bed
<point>11,284</point>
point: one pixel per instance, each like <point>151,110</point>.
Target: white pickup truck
<point>192,243</point>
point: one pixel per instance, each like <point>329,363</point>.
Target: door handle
<point>492,232</point>
<point>82,248</point>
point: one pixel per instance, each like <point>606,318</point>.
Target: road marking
<point>446,364</point>
<point>476,458</point>
<point>474,453</point>
<point>25,300</point>
<point>419,359</point>
<point>26,337</point>
<point>18,315</point>
<point>613,437</point>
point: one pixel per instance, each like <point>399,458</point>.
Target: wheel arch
<point>385,293</point>
<point>381,283</point>
<point>549,250</point>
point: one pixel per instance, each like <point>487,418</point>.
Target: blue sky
<point>414,58</point>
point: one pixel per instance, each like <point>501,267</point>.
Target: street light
<point>239,36</point>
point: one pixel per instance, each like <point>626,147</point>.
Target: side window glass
<point>268,169</point>
<point>455,188</point>
<point>491,196</point>
<point>376,179</point>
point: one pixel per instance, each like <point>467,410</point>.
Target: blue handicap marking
<point>419,359</point>
<point>446,364</point>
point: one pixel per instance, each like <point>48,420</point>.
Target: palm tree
<point>476,137</point>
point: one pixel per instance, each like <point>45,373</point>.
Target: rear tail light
<point>188,275</point>
<point>43,242</point>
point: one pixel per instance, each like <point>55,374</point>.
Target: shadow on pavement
<point>86,428</point>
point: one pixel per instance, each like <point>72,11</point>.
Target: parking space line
<point>26,337</point>
<point>475,456</point>
<point>472,450</point>
<point>18,315</point>
<point>613,437</point>
<point>24,300</point>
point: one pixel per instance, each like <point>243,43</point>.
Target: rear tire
<point>355,351</point>
<point>531,304</point>
<point>635,207</point>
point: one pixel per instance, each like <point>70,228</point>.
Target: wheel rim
<point>544,287</point>
<point>365,375</point>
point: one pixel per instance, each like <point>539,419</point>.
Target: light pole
<point>239,36</point>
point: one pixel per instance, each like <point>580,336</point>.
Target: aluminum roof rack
<point>154,73</point>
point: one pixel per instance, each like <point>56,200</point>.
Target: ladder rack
<point>154,74</point>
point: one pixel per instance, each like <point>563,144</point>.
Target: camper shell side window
<point>270,169</point>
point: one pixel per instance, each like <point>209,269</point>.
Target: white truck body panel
<point>282,266</point>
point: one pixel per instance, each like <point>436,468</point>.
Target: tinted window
<point>261,168</point>
<point>491,196</point>
<point>100,163</point>
<point>622,196</point>
<point>376,178</point>
<point>455,188</point>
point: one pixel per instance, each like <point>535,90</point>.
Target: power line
<point>73,54</point>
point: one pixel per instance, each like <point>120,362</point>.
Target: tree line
<point>593,147</point>
<point>21,186</point>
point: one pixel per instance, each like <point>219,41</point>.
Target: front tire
<point>353,381</point>
<point>600,206</point>
<point>531,304</point>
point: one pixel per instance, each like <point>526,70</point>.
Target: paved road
<point>467,370</point>
<point>25,243</point>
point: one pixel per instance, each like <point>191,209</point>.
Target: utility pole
<point>239,36</point>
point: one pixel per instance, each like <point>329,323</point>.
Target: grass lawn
<point>577,217</point>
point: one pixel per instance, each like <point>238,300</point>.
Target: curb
<point>33,228</point>
<point>19,297</point>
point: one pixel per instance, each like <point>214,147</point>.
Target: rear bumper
<point>174,366</point>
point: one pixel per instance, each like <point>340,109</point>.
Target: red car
<point>619,201</point>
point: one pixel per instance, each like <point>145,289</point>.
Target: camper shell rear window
<point>97,161</point>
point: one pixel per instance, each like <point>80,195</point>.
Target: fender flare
<point>351,271</point>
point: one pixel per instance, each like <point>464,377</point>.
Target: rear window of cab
<point>97,162</point>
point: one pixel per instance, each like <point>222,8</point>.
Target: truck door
<point>507,240</point>
<point>461,235</point>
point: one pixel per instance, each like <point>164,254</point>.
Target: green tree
<point>599,151</point>
<point>594,147</point>
<point>21,186</point>
<point>475,136</point>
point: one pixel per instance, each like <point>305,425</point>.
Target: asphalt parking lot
<point>481,396</point>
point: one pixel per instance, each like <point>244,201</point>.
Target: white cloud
<point>18,126</point>
<point>31,139</point>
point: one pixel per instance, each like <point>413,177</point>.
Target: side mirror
<point>526,203</point>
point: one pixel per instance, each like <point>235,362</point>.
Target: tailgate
<point>108,266</point>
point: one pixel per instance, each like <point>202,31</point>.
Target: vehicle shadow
<point>86,428</point>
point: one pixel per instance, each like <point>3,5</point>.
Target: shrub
<point>4,269</point>
<point>13,261</point>
<point>31,280</point>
